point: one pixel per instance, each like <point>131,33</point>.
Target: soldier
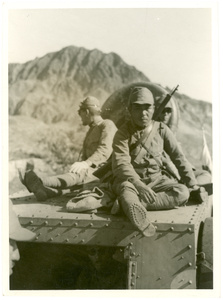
<point>97,148</point>
<point>16,233</point>
<point>203,177</point>
<point>166,114</point>
<point>137,164</point>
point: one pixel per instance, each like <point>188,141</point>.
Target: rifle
<point>163,104</point>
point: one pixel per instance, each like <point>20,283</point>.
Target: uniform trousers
<point>68,180</point>
<point>169,193</point>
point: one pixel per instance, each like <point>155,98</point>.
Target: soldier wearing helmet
<point>97,148</point>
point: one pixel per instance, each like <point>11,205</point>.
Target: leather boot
<point>34,184</point>
<point>136,212</point>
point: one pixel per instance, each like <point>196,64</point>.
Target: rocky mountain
<point>50,88</point>
<point>44,95</point>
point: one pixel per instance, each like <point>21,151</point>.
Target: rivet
<point>189,246</point>
<point>120,250</point>
<point>82,241</point>
<point>189,229</point>
<point>58,234</point>
<point>133,264</point>
<point>46,223</point>
<point>155,221</point>
<point>106,225</point>
<point>190,281</point>
<point>75,224</point>
<point>36,238</point>
<point>32,215</point>
<point>171,228</point>
<point>67,240</point>
<point>91,224</point>
<point>133,274</point>
<point>132,283</point>
<point>155,227</point>
<point>159,278</point>
<point>189,264</point>
<point>133,253</point>
<point>137,276</point>
<point>30,222</point>
<point>131,243</point>
<point>51,239</point>
<point>61,223</point>
<point>182,257</point>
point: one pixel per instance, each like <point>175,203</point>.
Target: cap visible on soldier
<point>16,231</point>
<point>90,102</point>
<point>167,109</point>
<point>141,95</point>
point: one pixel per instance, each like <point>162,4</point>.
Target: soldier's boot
<point>199,196</point>
<point>136,212</point>
<point>34,184</point>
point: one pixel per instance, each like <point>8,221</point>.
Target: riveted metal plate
<point>163,257</point>
<point>166,260</point>
<point>80,232</point>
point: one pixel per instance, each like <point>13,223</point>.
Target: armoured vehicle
<point>178,256</point>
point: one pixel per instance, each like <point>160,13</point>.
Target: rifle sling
<point>145,144</point>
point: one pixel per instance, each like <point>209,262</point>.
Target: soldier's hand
<point>77,167</point>
<point>145,192</point>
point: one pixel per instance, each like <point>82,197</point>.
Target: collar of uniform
<point>96,122</point>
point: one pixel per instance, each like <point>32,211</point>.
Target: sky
<point>170,46</point>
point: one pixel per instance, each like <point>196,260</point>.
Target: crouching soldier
<point>137,164</point>
<point>97,148</point>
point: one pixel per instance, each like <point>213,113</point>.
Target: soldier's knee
<point>181,194</point>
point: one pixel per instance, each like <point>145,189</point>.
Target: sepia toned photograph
<point>111,181</point>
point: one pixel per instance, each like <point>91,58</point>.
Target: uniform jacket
<point>97,146</point>
<point>124,166</point>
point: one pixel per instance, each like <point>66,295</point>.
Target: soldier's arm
<point>104,148</point>
<point>176,154</point>
<point>121,159</point>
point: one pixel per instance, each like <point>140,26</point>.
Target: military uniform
<point>97,148</point>
<point>128,170</point>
